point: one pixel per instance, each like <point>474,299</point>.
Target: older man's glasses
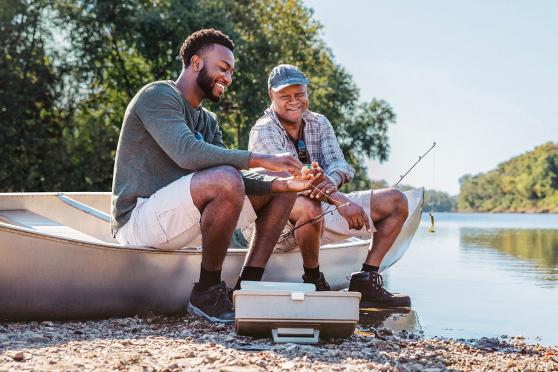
<point>302,151</point>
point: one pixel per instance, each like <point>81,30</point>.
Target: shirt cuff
<point>337,178</point>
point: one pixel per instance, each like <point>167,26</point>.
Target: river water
<point>479,275</point>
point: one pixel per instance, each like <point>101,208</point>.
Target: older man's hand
<point>353,213</point>
<point>305,179</point>
<point>325,187</point>
<point>296,183</point>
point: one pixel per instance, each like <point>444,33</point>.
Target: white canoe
<point>59,261</point>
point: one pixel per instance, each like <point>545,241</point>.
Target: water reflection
<point>536,246</point>
<point>483,275</point>
<point>396,319</point>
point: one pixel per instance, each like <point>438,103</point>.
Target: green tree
<point>30,90</point>
<point>115,49</point>
<point>526,183</point>
<point>109,50</point>
<point>439,201</point>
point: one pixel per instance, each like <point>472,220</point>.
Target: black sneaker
<point>319,282</point>
<point>371,286</point>
<point>213,304</point>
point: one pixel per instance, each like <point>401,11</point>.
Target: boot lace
<point>223,298</point>
<point>378,283</point>
<point>321,283</point>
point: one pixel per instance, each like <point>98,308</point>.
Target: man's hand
<point>353,213</point>
<point>279,162</point>
<point>296,184</point>
<point>327,187</point>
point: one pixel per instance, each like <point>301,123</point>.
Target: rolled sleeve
<point>334,160</point>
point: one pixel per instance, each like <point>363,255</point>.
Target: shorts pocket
<point>174,222</point>
<point>174,216</point>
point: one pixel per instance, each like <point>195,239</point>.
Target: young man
<point>175,184</point>
<point>288,125</point>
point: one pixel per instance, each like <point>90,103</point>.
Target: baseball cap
<point>284,75</point>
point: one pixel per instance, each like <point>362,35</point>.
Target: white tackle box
<point>294,312</point>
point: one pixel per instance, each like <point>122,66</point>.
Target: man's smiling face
<point>216,74</point>
<point>290,102</point>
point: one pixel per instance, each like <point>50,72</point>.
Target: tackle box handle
<point>296,335</point>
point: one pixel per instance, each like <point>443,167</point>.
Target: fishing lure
<point>431,227</point>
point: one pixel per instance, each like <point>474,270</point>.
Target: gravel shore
<point>154,343</point>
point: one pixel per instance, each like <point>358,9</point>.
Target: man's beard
<point>207,84</point>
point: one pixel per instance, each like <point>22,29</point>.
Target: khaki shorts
<point>169,219</point>
<point>336,228</point>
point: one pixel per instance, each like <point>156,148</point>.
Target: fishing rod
<point>418,161</point>
<point>431,227</point>
<point>338,205</point>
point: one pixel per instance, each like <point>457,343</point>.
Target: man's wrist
<point>337,179</point>
<point>255,160</point>
<point>279,185</point>
<point>340,197</point>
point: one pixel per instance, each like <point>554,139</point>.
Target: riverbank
<point>171,344</point>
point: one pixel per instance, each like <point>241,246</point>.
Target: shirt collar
<point>270,112</point>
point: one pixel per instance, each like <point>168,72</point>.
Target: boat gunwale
<point>51,193</point>
<point>6,227</point>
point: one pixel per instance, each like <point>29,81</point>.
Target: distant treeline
<point>526,183</point>
<point>436,201</point>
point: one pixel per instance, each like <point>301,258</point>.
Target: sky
<point>478,77</point>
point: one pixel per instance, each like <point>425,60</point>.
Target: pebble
<point>37,339</point>
<point>20,357</point>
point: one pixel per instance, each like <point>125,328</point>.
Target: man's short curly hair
<point>202,39</point>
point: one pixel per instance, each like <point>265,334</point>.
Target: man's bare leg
<point>308,239</point>
<point>389,210</point>
<point>308,236</point>
<point>220,204</point>
<point>273,212</point>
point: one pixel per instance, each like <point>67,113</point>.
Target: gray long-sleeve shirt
<point>157,146</point>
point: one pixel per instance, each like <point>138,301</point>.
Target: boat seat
<point>42,224</point>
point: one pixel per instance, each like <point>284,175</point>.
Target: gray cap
<point>284,75</point>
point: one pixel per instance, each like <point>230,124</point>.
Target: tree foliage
<point>526,183</point>
<point>30,88</point>
<point>110,49</point>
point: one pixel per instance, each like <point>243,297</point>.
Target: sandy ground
<point>184,343</point>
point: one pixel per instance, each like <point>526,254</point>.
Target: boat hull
<point>50,278</point>
<point>44,276</point>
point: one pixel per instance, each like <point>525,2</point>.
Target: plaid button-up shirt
<point>268,136</point>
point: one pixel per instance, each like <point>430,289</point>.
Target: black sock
<point>208,278</point>
<point>312,273</point>
<point>370,268</point>
<point>250,273</point>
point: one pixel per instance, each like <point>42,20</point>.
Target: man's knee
<point>305,208</point>
<point>228,180</point>
<point>400,205</point>
<point>223,182</point>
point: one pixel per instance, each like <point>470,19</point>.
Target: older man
<point>175,184</point>
<point>289,126</point>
